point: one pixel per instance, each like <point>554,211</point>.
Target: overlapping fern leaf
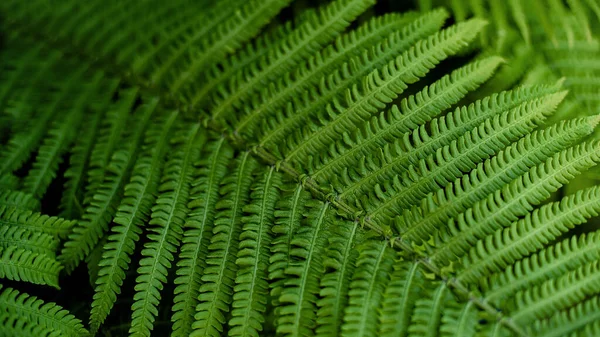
<point>542,39</point>
<point>232,172</point>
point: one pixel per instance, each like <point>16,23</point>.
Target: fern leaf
<point>71,201</point>
<point>382,86</point>
<point>509,76</point>
<point>19,200</point>
<point>295,115</point>
<point>450,162</point>
<point>373,269</point>
<point>44,315</point>
<point>50,154</point>
<point>19,147</point>
<point>169,49</point>
<point>133,211</point>
<point>167,217</point>
<point>59,137</point>
<point>550,262</point>
<point>251,289</point>
<point>214,296</point>
<point>197,229</point>
<point>288,213</point>
<point>232,31</point>
<point>418,145</point>
<point>400,296</point>
<point>16,68</point>
<point>22,265</point>
<point>493,329</point>
<point>339,262</point>
<point>103,203</point>
<point>173,17</point>
<point>529,234</point>
<point>515,199</point>
<point>93,260</point>
<point>15,326</point>
<point>556,294</point>
<point>310,72</point>
<point>36,222</point>
<point>491,175</point>
<point>110,133</point>
<point>520,19</point>
<point>297,302</point>
<point>459,320</point>
<point>445,129</point>
<point>26,239</point>
<point>9,182</point>
<point>577,317</point>
<point>412,112</point>
<point>318,30</point>
<point>251,53</point>
<point>427,315</point>
<point>120,37</point>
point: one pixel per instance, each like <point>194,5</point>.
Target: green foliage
<point>29,314</point>
<point>275,168</point>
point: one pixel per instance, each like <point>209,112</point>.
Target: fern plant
<point>268,167</point>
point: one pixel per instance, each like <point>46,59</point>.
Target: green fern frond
<point>207,263</point>
<point>54,226</point>
<point>14,154</point>
<point>251,289</point>
<point>339,262</point>
<point>448,134</point>
<point>458,158</point>
<point>18,199</point>
<point>412,112</point>
<point>489,176</point>
<point>296,313</point>
<point>575,318</point>
<point>515,199</point>
<point>310,73</point>
<point>231,32</point>
<point>390,192</point>
<point>536,229</point>
<point>465,118</point>
<point>167,218</point>
<point>314,102</point>
<point>427,315</point>
<point>250,54</point>
<point>132,213</point>
<point>399,299</point>
<point>103,201</point>
<point>36,312</point>
<point>60,135</point>
<point>380,88</point>
<point>26,239</point>
<point>15,326</point>
<point>288,214</point>
<point>317,31</point>
<point>145,59</point>
<point>92,261</point>
<point>110,133</point>
<point>550,262</point>
<point>373,269</point>
<point>302,170</point>
<point>555,295</point>
<point>459,320</point>
<point>23,265</point>
<point>72,198</point>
